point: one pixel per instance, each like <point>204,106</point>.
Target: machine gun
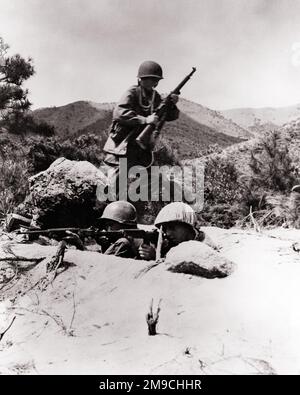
<point>147,138</point>
<point>99,235</point>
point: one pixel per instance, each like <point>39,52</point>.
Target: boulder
<point>196,258</point>
<point>64,195</point>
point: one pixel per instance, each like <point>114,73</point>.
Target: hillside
<point>213,119</point>
<point>196,128</point>
<point>189,137</point>
<point>250,118</point>
<point>73,117</point>
<point>240,154</point>
<point>91,318</point>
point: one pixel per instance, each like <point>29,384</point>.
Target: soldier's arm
<point>172,113</point>
<point>121,248</point>
<point>172,110</point>
<point>125,111</point>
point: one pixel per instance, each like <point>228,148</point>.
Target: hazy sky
<point>247,52</point>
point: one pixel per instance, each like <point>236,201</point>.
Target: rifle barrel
<point>135,233</point>
<point>52,230</point>
<point>184,81</point>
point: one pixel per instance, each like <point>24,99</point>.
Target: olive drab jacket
<point>129,119</point>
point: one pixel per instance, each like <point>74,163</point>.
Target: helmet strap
<point>146,107</point>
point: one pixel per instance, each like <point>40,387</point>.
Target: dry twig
<point>70,330</point>
<point>3,333</point>
<point>57,260</point>
<point>254,222</point>
<point>152,319</point>
<point>22,258</point>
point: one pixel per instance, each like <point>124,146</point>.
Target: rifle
<point>98,234</point>
<point>144,139</point>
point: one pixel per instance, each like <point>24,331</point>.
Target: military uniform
<point>119,215</point>
<point>132,114</point>
<point>123,248</point>
<point>129,119</point>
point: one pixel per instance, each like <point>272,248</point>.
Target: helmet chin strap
<point>150,106</point>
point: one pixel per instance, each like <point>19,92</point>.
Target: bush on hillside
<point>264,191</point>
<point>164,154</point>
<point>272,169</point>
<point>221,182</point>
<point>211,149</point>
<point>222,190</point>
<point>13,176</point>
<point>43,152</point>
<point>271,173</point>
<point>25,124</point>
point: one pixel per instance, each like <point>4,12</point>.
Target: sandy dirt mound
<point>91,318</point>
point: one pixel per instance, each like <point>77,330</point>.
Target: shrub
<point>43,152</point>
<point>222,191</point>
<point>211,149</point>
<point>13,179</point>
<point>272,169</point>
<point>221,183</point>
<point>165,154</point>
<point>271,174</point>
<point>265,190</point>
<point>26,124</point>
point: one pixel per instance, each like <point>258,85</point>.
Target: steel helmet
<point>176,211</point>
<point>120,211</point>
<point>150,69</point>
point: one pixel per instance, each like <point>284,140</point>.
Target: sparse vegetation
<point>26,124</point>
<point>13,175</point>
<point>85,147</point>
<point>272,169</point>
<point>221,194</point>
<point>152,318</point>
<point>264,191</point>
<point>186,137</point>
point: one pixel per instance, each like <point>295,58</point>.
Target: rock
<point>64,195</point>
<point>196,258</point>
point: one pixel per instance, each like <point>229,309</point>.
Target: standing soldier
<point>132,114</point>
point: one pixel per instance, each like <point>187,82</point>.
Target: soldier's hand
<point>174,98</point>
<point>74,239</point>
<point>152,119</point>
<point>147,252</point>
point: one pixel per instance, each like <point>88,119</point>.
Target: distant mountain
<point>253,118</point>
<point>73,117</point>
<point>196,129</point>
